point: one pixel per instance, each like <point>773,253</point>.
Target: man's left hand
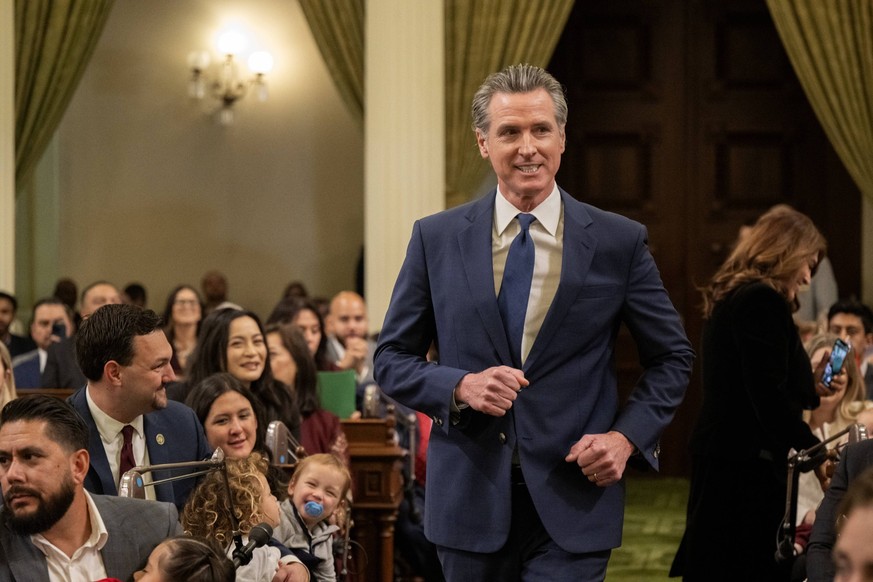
<point>602,457</point>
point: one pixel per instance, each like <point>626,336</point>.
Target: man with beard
<point>125,356</point>
<point>52,529</point>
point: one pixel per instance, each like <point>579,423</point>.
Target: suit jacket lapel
<point>156,436</point>
<point>120,543</point>
<point>26,562</point>
<point>579,247</point>
<point>475,249</point>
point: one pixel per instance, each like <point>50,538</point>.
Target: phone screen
<point>835,363</point>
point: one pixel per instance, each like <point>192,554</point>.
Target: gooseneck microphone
<point>259,536</point>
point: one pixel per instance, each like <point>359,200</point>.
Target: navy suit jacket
<point>853,461</point>
<point>61,368</point>
<point>26,370</point>
<point>173,435</point>
<point>20,344</point>
<point>445,293</point>
<point>134,526</point>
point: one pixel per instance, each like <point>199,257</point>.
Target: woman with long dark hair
<point>292,363</point>
<point>233,341</point>
<point>304,314</point>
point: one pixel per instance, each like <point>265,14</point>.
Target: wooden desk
<point>62,393</point>
<point>377,490</point>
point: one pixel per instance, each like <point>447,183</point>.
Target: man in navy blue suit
<point>51,323</point>
<point>529,443</point>
<point>124,354</point>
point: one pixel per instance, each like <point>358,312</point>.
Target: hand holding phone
<point>835,363</point>
<point>59,329</point>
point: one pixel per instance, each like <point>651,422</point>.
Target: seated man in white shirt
<point>51,529</point>
<point>52,321</point>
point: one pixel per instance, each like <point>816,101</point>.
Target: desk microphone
<point>259,536</point>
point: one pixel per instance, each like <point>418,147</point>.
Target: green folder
<point>336,390</point>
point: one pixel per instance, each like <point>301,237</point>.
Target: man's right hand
<point>491,391</point>
<point>356,354</point>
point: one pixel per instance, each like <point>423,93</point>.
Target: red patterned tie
<point>127,462</point>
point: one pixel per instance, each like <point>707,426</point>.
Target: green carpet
<point>654,520</point>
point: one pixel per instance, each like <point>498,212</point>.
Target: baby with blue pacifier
<point>320,482</point>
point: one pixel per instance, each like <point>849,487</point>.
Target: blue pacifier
<point>313,509</point>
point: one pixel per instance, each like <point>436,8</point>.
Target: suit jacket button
<point>438,421</point>
<point>502,438</point>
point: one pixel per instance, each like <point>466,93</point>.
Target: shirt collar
<point>99,534</point>
<point>547,212</point>
<point>107,426</point>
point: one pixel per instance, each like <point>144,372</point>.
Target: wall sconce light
<point>226,85</point>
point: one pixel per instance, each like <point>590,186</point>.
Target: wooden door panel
<point>687,116</point>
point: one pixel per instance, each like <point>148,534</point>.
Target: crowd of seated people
<point>238,375</point>
<point>819,490</point>
<point>848,405</point>
<point>129,372</point>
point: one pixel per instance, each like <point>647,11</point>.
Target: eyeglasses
<point>186,302</point>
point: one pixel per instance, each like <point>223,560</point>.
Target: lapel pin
<point>160,439</point>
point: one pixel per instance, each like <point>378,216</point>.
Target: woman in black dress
<point>756,383</point>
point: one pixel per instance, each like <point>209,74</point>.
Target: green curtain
<point>338,29</point>
<point>830,44</point>
<point>54,40</point>
<point>484,36</point>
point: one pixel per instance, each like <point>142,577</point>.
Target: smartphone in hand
<point>59,329</point>
<point>839,353</point>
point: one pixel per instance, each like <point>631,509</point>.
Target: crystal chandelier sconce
<point>226,85</point>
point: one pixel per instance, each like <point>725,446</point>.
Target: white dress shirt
<point>86,563</point>
<point>547,234</point>
<point>110,434</point>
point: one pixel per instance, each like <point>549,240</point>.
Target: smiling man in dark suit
<point>50,527</point>
<point>125,356</point>
<point>523,292</point>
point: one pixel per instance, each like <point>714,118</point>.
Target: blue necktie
<point>515,288</point>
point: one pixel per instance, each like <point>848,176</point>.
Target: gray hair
<point>520,78</point>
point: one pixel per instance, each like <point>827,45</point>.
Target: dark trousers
<point>529,555</point>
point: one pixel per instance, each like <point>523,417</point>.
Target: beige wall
<point>152,189</point>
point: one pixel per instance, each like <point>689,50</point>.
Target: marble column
<point>404,141</point>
